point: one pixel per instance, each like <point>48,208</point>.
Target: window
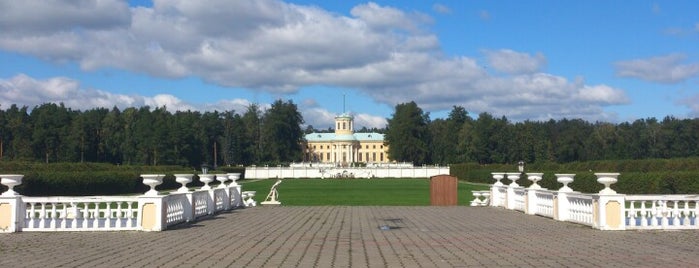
<point>321,157</point>
<point>314,147</point>
<point>328,156</point>
<point>359,157</point>
<point>344,126</point>
<point>373,157</point>
<point>381,157</point>
<point>374,146</point>
<point>367,157</point>
<point>381,146</point>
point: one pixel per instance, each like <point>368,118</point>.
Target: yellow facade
<point>344,146</point>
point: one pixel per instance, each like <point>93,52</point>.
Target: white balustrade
<point>520,195</point>
<point>116,213</point>
<point>580,208</point>
<point>662,212</point>
<point>544,203</point>
<point>605,210</point>
<point>80,213</point>
<point>480,198</point>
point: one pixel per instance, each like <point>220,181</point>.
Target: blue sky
<point>608,61</point>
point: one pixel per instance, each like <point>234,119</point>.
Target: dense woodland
<point>153,136</point>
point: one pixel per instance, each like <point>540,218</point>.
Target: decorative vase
<point>607,179</point>
<point>222,179</point>
<point>11,180</point>
<point>513,177</point>
<point>152,180</point>
<point>206,179</point>
<point>498,176</point>
<point>565,179</point>
<point>233,177</point>
<point>535,178</point>
<point>183,179</point>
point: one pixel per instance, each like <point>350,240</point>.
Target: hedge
<point>80,179</point>
<point>648,176</point>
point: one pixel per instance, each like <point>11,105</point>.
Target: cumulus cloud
<point>24,90</point>
<point>667,69</point>
<point>277,47</point>
<point>513,62</point>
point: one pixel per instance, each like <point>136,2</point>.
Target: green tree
<point>408,134</point>
<point>252,148</point>
<point>281,132</point>
<point>51,124</point>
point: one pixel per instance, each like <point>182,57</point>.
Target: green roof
<point>326,137</point>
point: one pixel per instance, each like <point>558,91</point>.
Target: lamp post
<point>204,169</point>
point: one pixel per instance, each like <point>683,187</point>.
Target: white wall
<point>357,172</point>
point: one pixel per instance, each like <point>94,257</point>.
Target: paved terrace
<point>350,236</point>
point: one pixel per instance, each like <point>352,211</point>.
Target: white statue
<point>273,196</point>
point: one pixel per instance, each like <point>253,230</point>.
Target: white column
<point>332,153</point>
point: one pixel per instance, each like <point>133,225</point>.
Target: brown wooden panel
<point>443,190</point>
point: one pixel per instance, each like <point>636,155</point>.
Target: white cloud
<point>513,62</point>
<point>277,47</point>
<point>441,8</point>
<point>23,90</point>
<point>72,15</point>
<point>692,103</point>
<point>663,69</point>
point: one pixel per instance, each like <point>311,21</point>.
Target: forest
<point>154,136</point>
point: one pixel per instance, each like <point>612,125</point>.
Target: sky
<point>610,61</point>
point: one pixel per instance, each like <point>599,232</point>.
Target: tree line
<point>144,136</point>
<point>487,139</point>
<point>153,136</point>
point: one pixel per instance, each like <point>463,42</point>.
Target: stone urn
<point>233,177</point>
<point>535,178</point>
<point>565,179</point>
<point>222,178</point>
<point>11,180</point>
<point>513,177</point>
<point>206,179</point>
<point>183,179</point>
<point>497,176</point>
<point>607,179</point>
<point>152,180</point>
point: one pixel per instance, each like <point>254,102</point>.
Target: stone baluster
<point>531,200</point>
<point>562,202</point>
<point>510,203</point>
<point>495,189</point>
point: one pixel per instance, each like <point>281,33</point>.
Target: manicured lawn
<point>355,192</point>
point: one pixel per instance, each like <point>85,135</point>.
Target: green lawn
<point>355,192</point>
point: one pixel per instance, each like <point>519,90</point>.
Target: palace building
<point>344,146</point>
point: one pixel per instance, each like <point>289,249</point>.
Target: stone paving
<point>358,237</point>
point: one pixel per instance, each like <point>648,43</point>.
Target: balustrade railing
<point>149,212</point>
<point>79,213</point>
<point>544,203</point>
<point>580,209</point>
<point>606,210</point>
<point>661,212</point>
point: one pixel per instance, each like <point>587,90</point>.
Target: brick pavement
<point>351,237</point>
